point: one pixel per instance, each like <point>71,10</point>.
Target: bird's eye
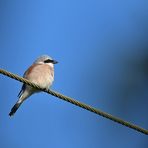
<point>48,61</point>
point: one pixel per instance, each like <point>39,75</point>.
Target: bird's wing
<point>25,76</point>
<point>22,90</point>
<point>28,71</point>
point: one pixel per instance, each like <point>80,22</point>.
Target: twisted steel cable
<point>77,103</point>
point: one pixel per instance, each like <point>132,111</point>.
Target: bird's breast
<point>43,75</point>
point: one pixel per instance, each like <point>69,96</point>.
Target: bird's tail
<point>15,108</point>
<point>23,95</point>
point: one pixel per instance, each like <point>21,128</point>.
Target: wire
<point>77,103</point>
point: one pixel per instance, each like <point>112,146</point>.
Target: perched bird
<point>41,72</point>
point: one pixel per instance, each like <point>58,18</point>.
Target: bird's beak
<point>54,62</point>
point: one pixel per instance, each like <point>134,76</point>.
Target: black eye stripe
<point>48,61</point>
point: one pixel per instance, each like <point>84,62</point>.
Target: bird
<point>41,72</point>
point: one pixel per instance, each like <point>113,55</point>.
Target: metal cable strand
<point>77,103</point>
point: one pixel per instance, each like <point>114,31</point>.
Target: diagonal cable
<point>77,103</point>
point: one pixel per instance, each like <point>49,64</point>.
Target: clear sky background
<point>102,49</point>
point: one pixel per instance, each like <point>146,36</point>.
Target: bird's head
<point>45,59</point>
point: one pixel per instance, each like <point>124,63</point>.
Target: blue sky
<point>102,49</point>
